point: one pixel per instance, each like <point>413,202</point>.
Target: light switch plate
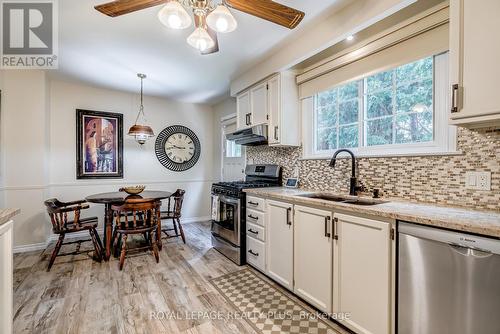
<point>478,180</point>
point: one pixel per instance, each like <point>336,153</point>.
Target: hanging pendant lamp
<point>141,132</point>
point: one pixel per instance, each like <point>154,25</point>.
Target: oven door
<point>226,224</point>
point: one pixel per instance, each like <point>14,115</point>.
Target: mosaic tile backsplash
<point>430,179</point>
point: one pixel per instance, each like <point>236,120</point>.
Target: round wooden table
<point>109,199</point>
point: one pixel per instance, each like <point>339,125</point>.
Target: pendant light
<point>141,132</point>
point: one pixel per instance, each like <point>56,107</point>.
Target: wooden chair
<point>174,208</point>
<point>58,212</point>
<point>136,217</point>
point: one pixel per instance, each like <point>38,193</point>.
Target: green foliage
<point>399,108</point>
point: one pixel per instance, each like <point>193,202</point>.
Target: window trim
<point>445,137</point>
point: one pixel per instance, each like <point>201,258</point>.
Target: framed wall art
<point>99,145</point>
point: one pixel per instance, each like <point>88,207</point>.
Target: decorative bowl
<point>134,190</point>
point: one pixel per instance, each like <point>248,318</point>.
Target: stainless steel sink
<point>343,199</point>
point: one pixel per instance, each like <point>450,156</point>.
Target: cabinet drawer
<point>256,231</point>
<point>255,217</point>
<point>256,255</point>
<point>256,203</point>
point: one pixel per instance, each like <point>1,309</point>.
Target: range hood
<point>254,136</point>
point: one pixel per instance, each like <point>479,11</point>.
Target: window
<point>399,111</point>
<point>233,150</point>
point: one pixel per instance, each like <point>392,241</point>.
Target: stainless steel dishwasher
<point>448,282</point>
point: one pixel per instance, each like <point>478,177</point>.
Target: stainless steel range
<point>229,207</point>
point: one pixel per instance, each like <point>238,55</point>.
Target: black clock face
<point>178,148</point>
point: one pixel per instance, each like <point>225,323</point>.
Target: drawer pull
<point>252,231</point>
<point>253,217</point>
<point>327,220</point>
<point>254,203</point>
<point>253,253</point>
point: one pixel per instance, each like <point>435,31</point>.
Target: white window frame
<point>445,137</point>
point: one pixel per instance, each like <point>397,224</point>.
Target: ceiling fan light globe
<point>221,20</point>
<point>200,39</point>
<point>174,16</point>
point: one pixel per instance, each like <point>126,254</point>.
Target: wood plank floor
<point>82,296</point>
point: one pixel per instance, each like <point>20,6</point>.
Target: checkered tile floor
<point>268,309</point>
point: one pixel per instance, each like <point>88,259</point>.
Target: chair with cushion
<point>58,212</point>
<point>173,212</point>
<point>136,217</point>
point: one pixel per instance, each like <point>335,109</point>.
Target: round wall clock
<point>178,148</point>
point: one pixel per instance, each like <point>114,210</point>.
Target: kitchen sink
<point>343,199</point>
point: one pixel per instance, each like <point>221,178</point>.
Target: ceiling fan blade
<point>121,7</point>
<point>199,21</point>
<point>270,11</point>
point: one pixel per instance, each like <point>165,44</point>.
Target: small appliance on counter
<point>229,208</point>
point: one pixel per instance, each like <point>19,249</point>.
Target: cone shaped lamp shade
<point>221,20</point>
<point>174,16</point>
<point>200,39</point>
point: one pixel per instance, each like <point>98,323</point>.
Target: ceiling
<point>109,52</point>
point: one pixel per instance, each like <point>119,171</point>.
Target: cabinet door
<point>474,57</point>
<point>280,242</point>
<point>258,104</point>
<point>243,113</point>
<point>274,94</point>
<point>362,273</point>
<point>313,256</point>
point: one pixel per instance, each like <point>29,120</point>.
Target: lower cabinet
<point>362,273</point>
<point>313,256</point>
<point>280,242</point>
<point>256,253</point>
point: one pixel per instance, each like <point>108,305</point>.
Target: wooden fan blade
<point>122,7</point>
<point>199,21</point>
<point>270,11</point>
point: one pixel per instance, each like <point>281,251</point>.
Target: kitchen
<point>345,180</point>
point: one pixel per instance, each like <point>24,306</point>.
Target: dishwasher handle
<point>470,251</point>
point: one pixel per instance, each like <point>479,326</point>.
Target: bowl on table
<point>134,190</point>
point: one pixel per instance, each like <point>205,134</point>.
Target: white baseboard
<point>85,234</point>
<point>30,248</point>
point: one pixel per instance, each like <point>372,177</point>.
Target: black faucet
<point>353,189</point>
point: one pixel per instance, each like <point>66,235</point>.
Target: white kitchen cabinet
<point>243,113</point>
<point>474,62</point>
<point>313,262</point>
<point>362,273</point>
<point>280,242</point>
<point>6,270</point>
<point>258,104</point>
<point>283,110</point>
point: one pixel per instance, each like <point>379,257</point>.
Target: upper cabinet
<point>474,59</point>
<point>274,102</point>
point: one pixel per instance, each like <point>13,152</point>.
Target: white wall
<point>317,37</point>
<point>220,110</point>
<point>38,140</point>
<point>24,140</point>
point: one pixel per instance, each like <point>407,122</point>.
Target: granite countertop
<point>7,214</point>
<point>472,221</point>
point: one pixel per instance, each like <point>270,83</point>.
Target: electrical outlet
<point>478,180</point>
<point>484,181</point>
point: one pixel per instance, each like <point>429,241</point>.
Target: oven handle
<point>225,199</point>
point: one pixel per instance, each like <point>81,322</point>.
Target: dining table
<point>119,197</point>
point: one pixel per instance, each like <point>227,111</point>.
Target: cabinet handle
<point>327,220</point>
<point>335,229</point>
<point>288,220</point>
<point>454,98</point>
<point>253,253</point>
<point>254,203</point>
<point>253,217</point>
<point>276,133</point>
<point>252,231</point>
<point>248,118</point>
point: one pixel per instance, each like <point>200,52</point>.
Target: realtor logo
<point>29,34</point>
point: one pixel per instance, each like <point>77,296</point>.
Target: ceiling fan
<point>210,18</point>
